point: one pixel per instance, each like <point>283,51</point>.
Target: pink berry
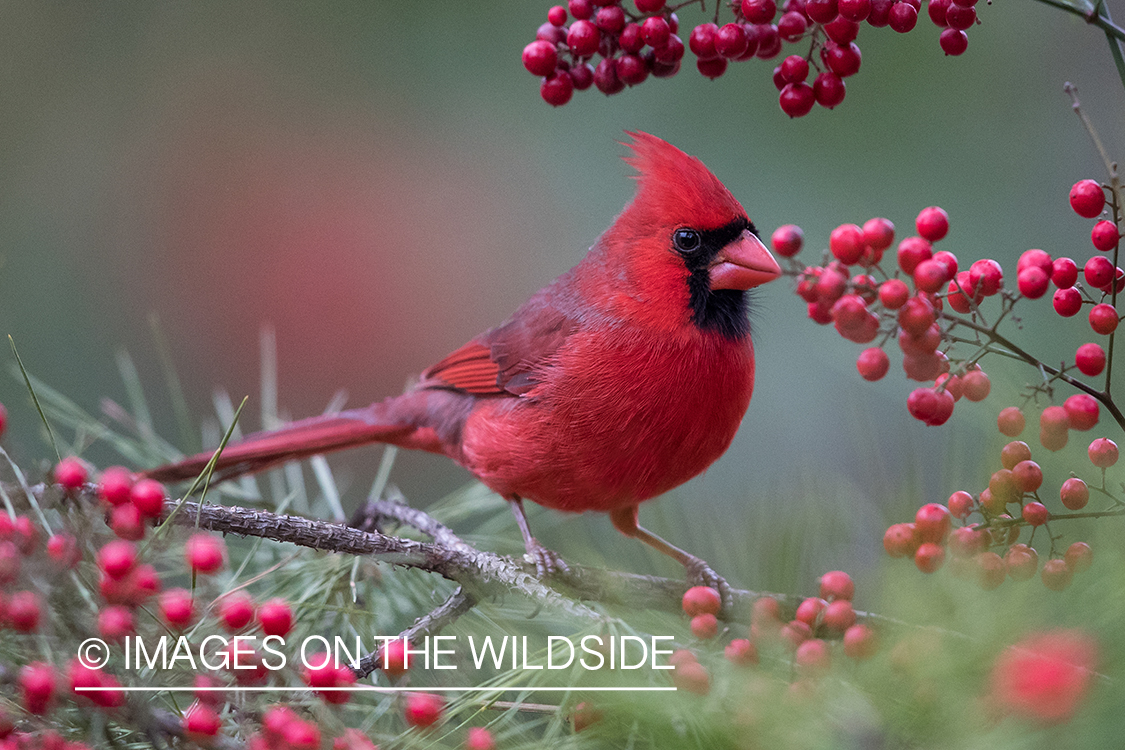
<point>1054,419</point>
<point>1035,513</point>
<point>479,738</point>
<point>1010,421</point>
<point>787,240</point>
<point>977,385</point>
<point>1099,272</point>
<point>893,293</point>
<point>878,233</point>
<point>860,642</point>
<point>846,243</point>
<point>424,709</point>
<point>236,611</point>
<point>115,484</point>
<point>1103,319</point>
<point>900,540</point>
<point>1067,302</point>
<point>1056,575</point>
<point>741,652</point>
<point>1104,236</point>
<point>839,615</point>
<point>177,607</point>
<point>557,16</point>
<point>1087,198</point>
<point>810,610</point>
<point>204,552</point>
<point>1033,282</point>
<point>932,223</point>
<point>932,523</point>
<point>71,473</point>
<point>960,504</point>
<point>1013,453</point>
<point>540,58</point>
<point>1022,562</point>
<point>929,557</point>
<point>836,584</point>
<point>148,496</point>
<point>115,622</point>
<point>201,722</point>
<point>1090,359</point>
<point>986,277</point>
<point>911,252</point>
<point>37,686</point>
<point>1103,453</point>
<point>1079,557</point>
<point>1074,494</point>
<point>275,617</point>
<point>117,558</point>
<point>704,626</point>
<point>812,656</point>
<point>700,600</point>
<point>24,612</point>
<point>1082,410</point>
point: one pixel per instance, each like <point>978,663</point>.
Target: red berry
<point>960,504</point>
<point>977,385</point>
<point>1074,494</point>
<point>557,89</point>
<point>1054,419</point>
<point>611,19</point>
<point>204,553</point>
<point>953,42</point>
<point>692,677</point>
<point>650,6</point>
<point>960,17</point>
<point>1010,421</point>
<point>702,41</point>
<point>741,651</point>
<point>787,240</point>
<point>657,32</point>
<point>37,687</point>
<point>71,473</point>
<point>1067,302</point>
<point>1099,272</point>
<point>873,364</point>
<point>900,540</point>
<point>24,612</point>
<point>201,721</point>
<point>605,78</point>
<point>836,584</point>
<point>985,277</point>
<point>911,252</point>
<point>704,626</point>
<point>117,558</point>
<point>967,541</point>
<point>713,68</point>
<point>1103,453</point>
<point>1064,272</point>
<point>929,557</point>
<point>991,570</point>
<point>177,607</point>
<point>932,523</point>
<point>1090,359</point>
<point>812,656</point>
<point>794,68</point>
<point>841,30</point>
<point>839,615</point>
<point>148,497</point>
<point>1032,282</point>
<point>859,642</point>
<point>1022,562</point>
<point>855,10</point>
<point>557,16</point>
<point>115,622</point>
<point>759,11</point>
<point>583,9</point>
<point>127,522</point>
<point>114,485</point>
<point>394,659</point>
<point>275,617</point>
<point>810,610</point>
<point>1082,411</point>
<point>1087,198</point>
<point>932,223</point>
<point>1035,513</point>
<point>893,293</point>
<point>700,600</point>
<point>903,17</point>
<point>846,243</point>
<point>63,549</point>
<point>540,58</point>
<point>424,709</point>
<point>1103,319</point>
<point>731,42</point>
<point>797,99</point>
<point>842,59</point>
<point>1028,475</point>
<point>1079,557</point>
<point>1104,236</point>
<point>820,11</point>
<point>236,611</point>
<point>1056,575</point>
<point>878,233</point>
<point>1014,452</point>
<point>791,26</point>
<point>583,38</point>
<point>631,40</point>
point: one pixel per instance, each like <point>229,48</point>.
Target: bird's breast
<point>617,418</point>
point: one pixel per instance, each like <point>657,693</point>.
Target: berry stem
<point>995,337</point>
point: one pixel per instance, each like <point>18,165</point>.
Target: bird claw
<point>547,562</point>
<point>699,573</point>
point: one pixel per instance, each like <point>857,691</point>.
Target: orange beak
<point>743,264</point>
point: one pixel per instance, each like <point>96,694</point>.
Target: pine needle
<point>35,398</point>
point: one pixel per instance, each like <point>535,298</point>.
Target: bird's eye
<point>687,240</point>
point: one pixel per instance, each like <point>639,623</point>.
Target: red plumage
<point>625,377</point>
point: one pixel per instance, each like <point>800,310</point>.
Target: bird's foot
<point>547,562</point>
<point>699,573</point>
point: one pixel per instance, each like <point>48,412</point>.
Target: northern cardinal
<point>625,377</point>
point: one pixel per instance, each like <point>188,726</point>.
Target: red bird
<point>625,377</point>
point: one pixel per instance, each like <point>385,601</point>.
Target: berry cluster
<point>636,43</point>
<point>989,551</point>
<point>807,637</point>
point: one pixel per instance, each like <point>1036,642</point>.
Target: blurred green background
<point>381,181</point>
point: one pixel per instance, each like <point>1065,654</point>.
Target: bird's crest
<point>677,186</point>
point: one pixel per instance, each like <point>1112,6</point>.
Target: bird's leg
<point>699,573</point>
<point>546,561</point>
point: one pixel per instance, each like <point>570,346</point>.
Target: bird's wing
<point>506,360</point>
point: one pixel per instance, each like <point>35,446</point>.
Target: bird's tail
<point>297,440</point>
